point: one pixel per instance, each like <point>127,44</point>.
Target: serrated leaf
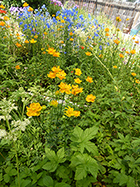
<point>89,133</point>
<point>131,182</point>
<point>91,147</point>
<point>85,182</point>
<point>62,184</point>
<point>120,135</point>
<point>48,181</point>
<point>80,172</point>
<point>50,154</point>
<point>63,172</point>
<point>137,161</point>
<point>77,134</point>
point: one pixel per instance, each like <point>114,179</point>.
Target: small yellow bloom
<point>17,34</point>
<point>51,75</point>
<point>121,55</point>
<point>42,49</point>
<point>2,7</point>
<point>137,42</point>
<point>89,79</point>
<point>33,41</point>
<point>17,67</point>
<point>18,45</point>
<point>62,42</point>
<point>127,19</point>
<point>34,109</point>
<point>88,53</point>
<point>100,56</point>
<point>26,41</point>
<point>69,112</point>
<point>61,26</point>
<point>61,75</point>
<point>65,88</point>
<point>118,19</point>
<point>44,52</point>
<point>30,9</point>
<point>107,34</point>
<point>137,81</point>
<point>78,81</point>
<point>133,51</point>
<point>45,33</point>
<point>106,29</point>
<point>2,23</point>
<point>127,52</point>
<point>90,98</point>
<point>70,33</point>
<point>78,72</point>
<point>18,38</point>
<point>76,113</point>
<point>36,36</point>
<point>25,4</point>
<point>53,15</point>
<point>71,39</point>
<point>57,17</point>
<point>57,92</point>
<point>116,41</point>
<point>56,54</point>
<point>53,103</point>
<point>6,18</point>
<point>133,74</point>
<point>62,21</point>
<point>51,50</point>
<point>115,67</point>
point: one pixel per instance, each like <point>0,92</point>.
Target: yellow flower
<point>71,39</point>
<point>61,26</point>
<point>118,19</point>
<point>90,98</point>
<point>17,34</point>
<point>51,75</point>
<point>57,92</point>
<point>65,88</point>
<point>2,7</point>
<point>133,51</point>
<point>137,81</point>
<point>127,52</point>
<point>76,113</point>
<point>78,81</point>
<point>65,17</point>
<point>33,41</point>
<point>137,42</point>
<point>76,90</point>
<point>6,18</point>
<point>26,41</point>
<point>51,51</point>
<point>62,21</point>
<point>115,67</point>
<point>116,41</point>
<point>42,49</point>
<point>25,4</point>
<point>69,112</point>
<point>45,33</point>
<point>61,75</point>
<point>78,72</point>
<point>127,19</point>
<point>57,17</point>
<point>30,9</point>
<point>53,103</point>
<point>34,109</point>
<point>133,74</point>
<point>70,33</point>
<point>2,23</point>
<point>53,15</point>
<point>35,36</point>
<point>18,38</point>
<point>56,54</point>
<point>56,69</point>
<point>17,67</point>
<point>18,45</point>
<point>88,53</point>
<point>121,55</point>
<point>62,42</point>
<point>44,52</point>
<point>106,29</point>
<point>100,56</point>
<point>133,38</point>
<point>89,79</point>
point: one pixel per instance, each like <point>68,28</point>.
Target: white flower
<point>3,133</point>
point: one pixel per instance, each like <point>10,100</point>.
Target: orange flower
<point>137,42</point>
<point>18,45</point>
<point>106,29</point>
<point>26,41</point>
<point>44,52</point>
<point>90,98</point>
<point>30,9</point>
<point>76,113</point>
<point>65,88</point>
<point>61,75</point>
<point>118,19</point>
<point>6,18</point>
<point>76,90</point>
<point>2,23</point>
<point>70,33</point>
<point>116,41</point>
<point>127,19</point>
<point>62,42</point>
<point>51,51</point>
<point>127,52</point>
<point>137,81</point>
<point>34,109</point>
<point>100,56</point>
<point>45,33</point>
<point>107,34</point>
<point>133,74</point>
<point>69,112</point>
<point>89,79</point>
<point>121,55</point>
<point>51,75</point>
<point>56,54</point>
<point>2,7</point>
<point>17,67</point>
<point>36,36</point>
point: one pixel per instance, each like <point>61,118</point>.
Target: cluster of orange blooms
<point>34,109</point>
<point>71,112</point>
<point>57,72</point>
<point>53,52</point>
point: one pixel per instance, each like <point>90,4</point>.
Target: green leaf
<point>121,179</point>
<point>62,184</point>
<point>48,181</point>
<point>50,166</point>
<point>25,183</point>
<point>91,147</point>
<point>80,172</point>
<point>13,172</point>
<point>50,154</point>
<point>6,178</point>
<point>131,182</point>
<point>60,155</point>
<point>1,177</point>
<point>137,161</point>
<point>63,172</point>
<point>85,182</point>
<point>78,132</point>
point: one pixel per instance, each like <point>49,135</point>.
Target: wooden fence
<point>113,9</point>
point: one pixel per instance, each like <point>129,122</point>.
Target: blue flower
<point>100,47</point>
